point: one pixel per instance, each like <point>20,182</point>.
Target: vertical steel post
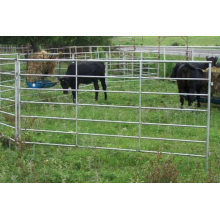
<point>132,65</point>
<point>98,52</point>
<point>0,83</point>
<point>124,65</point>
<point>192,53</point>
<point>90,51</point>
<point>158,57</point>
<point>148,66</point>
<point>141,57</point>
<point>17,101</point>
<point>19,98</point>
<point>164,57</point>
<point>208,116</point>
<point>75,49</point>
<point>106,68</point>
<point>140,90</point>
<point>109,52</point>
<point>70,52</point>
<point>109,56</point>
<point>76,100</point>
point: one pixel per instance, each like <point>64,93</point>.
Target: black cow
<point>189,86</point>
<point>202,66</point>
<point>84,69</point>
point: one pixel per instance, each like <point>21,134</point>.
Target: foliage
<point>54,41</point>
<point>175,44</point>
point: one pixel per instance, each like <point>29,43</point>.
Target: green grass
<point>66,164</point>
<point>153,40</point>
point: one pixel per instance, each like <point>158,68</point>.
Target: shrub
<point>175,44</point>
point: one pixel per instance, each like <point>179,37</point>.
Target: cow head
<point>65,85</point>
<point>213,59</point>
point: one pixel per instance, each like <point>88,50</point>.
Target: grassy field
<point>67,164</point>
<point>44,163</point>
<point>153,40</point>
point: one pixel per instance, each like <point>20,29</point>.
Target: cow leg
<point>198,102</point>
<point>198,98</point>
<point>182,100</point>
<point>96,85</point>
<point>73,93</point>
<point>104,87</point>
<point>190,100</point>
<point>181,96</point>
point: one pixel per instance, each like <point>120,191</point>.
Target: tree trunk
<point>35,47</point>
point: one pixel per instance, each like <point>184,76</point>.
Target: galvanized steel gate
<point>19,100</point>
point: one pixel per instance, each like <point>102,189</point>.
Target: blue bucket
<point>213,100</point>
<point>216,100</point>
<point>41,84</point>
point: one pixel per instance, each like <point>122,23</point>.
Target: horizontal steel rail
<point>8,54</point>
<point>7,86</point>
<point>112,61</point>
<point>118,77</point>
<point>115,91</point>
<point>114,106</point>
<point>7,59</point>
<point>7,113</point>
<point>48,131</point>
<point>3,107</point>
<point>7,73</point>
<point>49,144</point>
<point>9,138</point>
<point>7,99</point>
<point>113,135</point>
<point>1,123</point>
<point>117,149</point>
<point>6,90</point>
<point>12,80</point>
<point>6,64</point>
<point>112,121</point>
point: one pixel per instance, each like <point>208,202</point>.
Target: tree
<point>53,41</point>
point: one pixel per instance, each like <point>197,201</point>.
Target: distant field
<point>153,40</point>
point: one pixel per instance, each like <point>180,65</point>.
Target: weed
<point>162,171</point>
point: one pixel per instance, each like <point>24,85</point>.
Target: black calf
<point>85,69</point>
